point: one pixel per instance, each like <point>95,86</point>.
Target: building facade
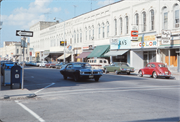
<point>112,25</point>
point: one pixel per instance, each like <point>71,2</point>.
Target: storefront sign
<point>91,47</point>
<point>166,37</point>
<point>134,33</point>
<point>121,43</point>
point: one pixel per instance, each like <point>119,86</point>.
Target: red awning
<point>83,55</point>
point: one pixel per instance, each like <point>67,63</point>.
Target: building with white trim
<point>112,25</point>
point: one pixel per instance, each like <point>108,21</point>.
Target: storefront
<point>119,49</point>
<point>169,51</point>
<point>144,50</point>
<point>77,52</point>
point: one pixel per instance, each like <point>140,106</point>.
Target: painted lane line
<point>44,88</point>
<point>30,111</point>
<point>117,88</point>
<point>107,91</point>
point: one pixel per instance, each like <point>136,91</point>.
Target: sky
<point>21,14</point>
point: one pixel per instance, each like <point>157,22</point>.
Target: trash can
<point>16,75</point>
<point>7,74</point>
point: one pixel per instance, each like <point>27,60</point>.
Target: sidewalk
<point>15,93</point>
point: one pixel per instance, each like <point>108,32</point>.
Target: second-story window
<point>74,36</point>
<point>92,32</point>
<point>121,25</point>
<point>127,25</point>
<point>137,19</point>
<point>176,16</point>
<point>103,34</point>
<point>107,29</point>
<point>86,33</point>
<point>144,21</point>
<point>77,36</point>
<point>165,18</point>
<point>115,26</point>
<point>152,19</point>
<point>99,33</point>
<point>80,36</point>
<point>17,51</point>
<point>89,33</point>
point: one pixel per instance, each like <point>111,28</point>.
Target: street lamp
<point>64,40</point>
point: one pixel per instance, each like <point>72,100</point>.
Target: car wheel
<point>116,72</point>
<point>65,77</point>
<point>96,79</point>
<point>154,75</point>
<point>105,71</point>
<point>128,73</point>
<point>140,74</point>
<point>76,78</point>
<point>167,77</point>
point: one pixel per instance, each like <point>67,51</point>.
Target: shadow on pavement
<point>172,119</point>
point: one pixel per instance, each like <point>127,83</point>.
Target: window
<point>137,19</point>
<point>99,32</point>
<point>121,25</point>
<point>144,21</point>
<point>17,51</point>
<point>89,33</point>
<point>92,32</point>
<point>100,61</point>
<point>149,65</point>
<point>104,61</point>
<point>26,51</point>
<point>74,36</point>
<point>165,18</point>
<point>80,36</point>
<point>107,29</point>
<point>77,36</point>
<point>176,16</point>
<point>86,33</point>
<point>127,25</point>
<point>115,26</point>
<point>153,65</point>
<point>152,20</point>
<point>103,35</point>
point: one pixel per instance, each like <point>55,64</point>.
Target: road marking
<point>44,88</point>
<point>30,111</point>
<point>86,91</point>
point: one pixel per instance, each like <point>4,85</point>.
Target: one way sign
<point>24,33</point>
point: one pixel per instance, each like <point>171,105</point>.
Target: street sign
<point>24,33</point>
<point>166,36</point>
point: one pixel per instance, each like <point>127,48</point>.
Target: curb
<point>17,96</point>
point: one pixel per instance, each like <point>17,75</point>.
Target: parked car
<point>119,67</point>
<point>42,63</point>
<point>50,64</point>
<point>30,63</point>
<point>98,63</point>
<point>79,70</point>
<point>155,69</point>
<point>59,65</point>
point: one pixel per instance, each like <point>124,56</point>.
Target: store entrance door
<point>145,57</point>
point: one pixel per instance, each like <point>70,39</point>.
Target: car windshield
<point>85,65</point>
<point>162,65</point>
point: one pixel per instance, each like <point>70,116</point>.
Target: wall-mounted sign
<point>62,43</point>
<point>121,43</point>
<point>69,47</point>
<point>91,47</point>
<point>134,33</point>
<point>166,37</point>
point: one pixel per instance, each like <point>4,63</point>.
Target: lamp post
<point>64,40</point>
<point>0,43</point>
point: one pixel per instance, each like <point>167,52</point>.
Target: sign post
<point>23,34</point>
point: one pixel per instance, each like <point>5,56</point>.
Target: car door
<point>153,66</point>
<point>69,69</point>
<point>147,69</point>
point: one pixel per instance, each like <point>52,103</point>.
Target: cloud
<point>105,2</point>
<point>26,17</point>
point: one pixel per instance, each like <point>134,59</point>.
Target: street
<point>115,98</point>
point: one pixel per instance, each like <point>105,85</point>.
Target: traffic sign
<point>24,33</point>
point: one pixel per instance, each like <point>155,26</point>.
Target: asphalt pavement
<point>16,92</point>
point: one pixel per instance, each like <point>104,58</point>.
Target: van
<point>98,63</point>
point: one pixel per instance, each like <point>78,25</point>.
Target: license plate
<point>91,76</point>
<point>166,72</point>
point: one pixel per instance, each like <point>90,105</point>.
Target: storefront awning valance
<point>99,51</point>
<point>62,57</point>
<point>83,55</point>
<point>115,53</point>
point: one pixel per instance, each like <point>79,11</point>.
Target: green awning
<point>115,53</point>
<point>99,51</point>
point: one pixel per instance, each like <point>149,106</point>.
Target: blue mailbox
<point>7,74</point>
<point>16,75</point>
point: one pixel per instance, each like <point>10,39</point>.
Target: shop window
<point>100,61</point>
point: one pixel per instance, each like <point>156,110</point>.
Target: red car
<point>155,69</point>
<point>49,65</point>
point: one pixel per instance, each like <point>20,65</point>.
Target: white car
<point>98,63</point>
<point>41,64</point>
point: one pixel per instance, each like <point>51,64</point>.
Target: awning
<point>62,57</point>
<point>83,55</point>
<point>99,51</point>
<point>115,53</point>
<point>52,54</point>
